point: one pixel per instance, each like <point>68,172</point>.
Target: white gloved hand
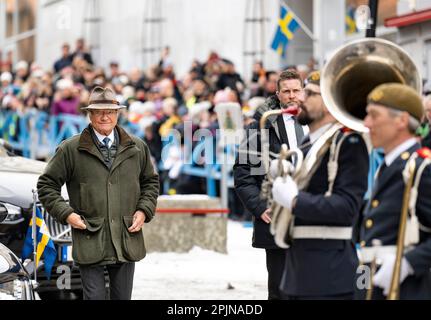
<point>273,167</point>
<point>283,192</point>
<point>383,277</point>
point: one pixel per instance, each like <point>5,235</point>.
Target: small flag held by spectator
<point>287,25</point>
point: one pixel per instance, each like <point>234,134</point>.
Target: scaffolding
<point>254,42</point>
<point>91,28</point>
<point>152,32</point>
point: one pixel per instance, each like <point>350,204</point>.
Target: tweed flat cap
<point>398,96</point>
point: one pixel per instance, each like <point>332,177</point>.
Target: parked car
<point>18,177</point>
<point>15,282</point>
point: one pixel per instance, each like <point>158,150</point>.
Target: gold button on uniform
<point>405,155</point>
<point>375,203</point>
<point>368,223</point>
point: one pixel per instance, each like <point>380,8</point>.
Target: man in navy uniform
<point>321,261</point>
<point>249,172</point>
<point>394,112</point>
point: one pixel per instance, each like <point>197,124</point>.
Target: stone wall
<point>180,232</point>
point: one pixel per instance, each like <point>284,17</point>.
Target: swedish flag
<point>45,245</point>
<point>287,25</point>
<point>350,20</point>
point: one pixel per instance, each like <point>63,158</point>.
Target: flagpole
<point>33,231</point>
<point>300,22</point>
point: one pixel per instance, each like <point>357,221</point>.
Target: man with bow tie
<point>394,112</point>
<point>321,260</point>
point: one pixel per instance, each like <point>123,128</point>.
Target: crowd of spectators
<point>156,99</point>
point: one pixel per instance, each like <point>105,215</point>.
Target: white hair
<point>413,124</point>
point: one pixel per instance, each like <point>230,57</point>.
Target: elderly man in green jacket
<point>112,189</point>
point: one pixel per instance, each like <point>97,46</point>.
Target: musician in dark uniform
<point>249,172</point>
<point>394,112</point>
<point>321,261</point>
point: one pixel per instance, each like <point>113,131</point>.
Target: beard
<point>304,117</point>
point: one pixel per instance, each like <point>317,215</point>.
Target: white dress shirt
<point>391,156</point>
<point>289,124</point>
<point>319,132</point>
<point>100,137</point>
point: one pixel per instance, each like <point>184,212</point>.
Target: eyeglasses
<point>310,93</point>
<point>101,113</point>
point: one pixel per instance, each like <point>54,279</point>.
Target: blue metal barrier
<point>64,126</point>
<point>206,169</point>
<point>36,130</point>
<point>203,161</point>
<point>14,128</point>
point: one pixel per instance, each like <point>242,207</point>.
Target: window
<point>20,24</point>
<point>10,18</point>
<point>26,14</point>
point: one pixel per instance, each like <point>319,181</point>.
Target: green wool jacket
<point>105,198</point>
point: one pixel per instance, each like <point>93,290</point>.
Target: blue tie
<point>106,141</point>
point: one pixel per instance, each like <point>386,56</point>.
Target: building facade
<point>133,32</point>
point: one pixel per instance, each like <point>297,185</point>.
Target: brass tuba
<point>350,74</point>
<point>358,67</point>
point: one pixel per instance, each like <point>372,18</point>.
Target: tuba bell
<point>358,67</point>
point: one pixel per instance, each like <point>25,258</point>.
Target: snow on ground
<point>4,296</point>
<point>203,274</point>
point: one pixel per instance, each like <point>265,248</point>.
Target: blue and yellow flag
<point>350,20</point>
<point>287,25</point>
<point>44,247</point>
